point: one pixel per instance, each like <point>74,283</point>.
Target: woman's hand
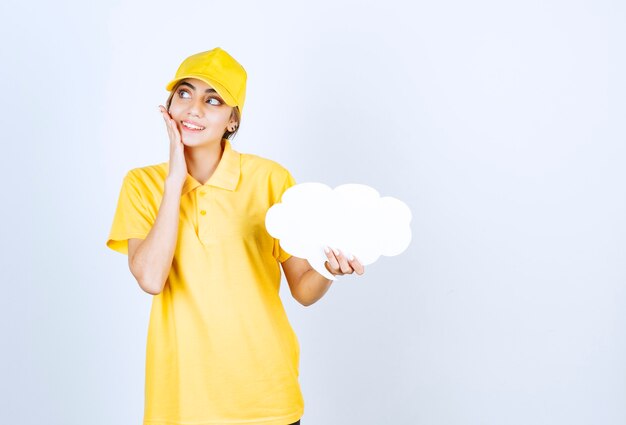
<point>178,166</point>
<point>338,264</point>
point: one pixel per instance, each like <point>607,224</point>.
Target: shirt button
<point>203,212</point>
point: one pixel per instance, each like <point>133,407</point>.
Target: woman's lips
<point>191,130</point>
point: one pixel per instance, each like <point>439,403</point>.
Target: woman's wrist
<point>172,184</point>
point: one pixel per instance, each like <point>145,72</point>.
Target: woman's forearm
<point>153,259</point>
<point>312,287</point>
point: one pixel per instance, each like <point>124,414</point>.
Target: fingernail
<point>336,251</point>
<point>352,258</point>
<point>326,250</point>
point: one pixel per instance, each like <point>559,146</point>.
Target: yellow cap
<point>218,69</point>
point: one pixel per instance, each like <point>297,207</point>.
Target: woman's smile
<point>192,126</point>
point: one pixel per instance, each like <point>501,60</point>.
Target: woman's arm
<point>150,259</point>
<point>305,289</point>
<point>306,285</point>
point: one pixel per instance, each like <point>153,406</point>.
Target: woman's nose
<point>195,109</point>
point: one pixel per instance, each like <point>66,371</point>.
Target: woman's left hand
<point>338,264</point>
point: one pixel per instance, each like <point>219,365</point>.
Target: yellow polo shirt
<point>220,349</point>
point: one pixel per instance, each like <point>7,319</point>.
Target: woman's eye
<point>212,100</point>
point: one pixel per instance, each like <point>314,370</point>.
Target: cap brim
<point>220,89</point>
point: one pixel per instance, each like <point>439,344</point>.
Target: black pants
<point>296,423</point>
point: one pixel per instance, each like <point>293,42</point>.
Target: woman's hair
<point>227,134</point>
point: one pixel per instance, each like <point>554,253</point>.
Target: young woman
<point>220,349</point>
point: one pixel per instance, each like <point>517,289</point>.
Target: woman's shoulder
<point>259,164</point>
<point>152,172</point>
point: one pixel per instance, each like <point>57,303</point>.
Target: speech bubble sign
<point>352,217</point>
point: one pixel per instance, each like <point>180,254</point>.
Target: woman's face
<point>197,104</point>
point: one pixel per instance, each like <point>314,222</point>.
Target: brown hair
<point>235,114</point>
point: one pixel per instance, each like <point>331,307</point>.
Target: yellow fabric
<point>220,349</point>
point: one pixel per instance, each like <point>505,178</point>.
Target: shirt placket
<point>203,204</point>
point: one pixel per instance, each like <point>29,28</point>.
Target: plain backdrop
<point>500,124</point>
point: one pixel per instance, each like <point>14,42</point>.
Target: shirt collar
<point>225,176</point>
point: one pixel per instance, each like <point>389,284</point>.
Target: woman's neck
<point>203,160</point>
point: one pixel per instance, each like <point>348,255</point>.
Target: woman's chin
<point>193,142</point>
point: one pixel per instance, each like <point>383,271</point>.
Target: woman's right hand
<point>177,165</point>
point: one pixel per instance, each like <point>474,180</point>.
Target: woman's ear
<point>233,123</point>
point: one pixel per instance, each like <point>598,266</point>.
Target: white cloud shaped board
<point>352,217</point>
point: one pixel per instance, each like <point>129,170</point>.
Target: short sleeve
<point>131,219</point>
<point>279,253</point>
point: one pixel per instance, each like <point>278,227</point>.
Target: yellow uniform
<point>220,349</point>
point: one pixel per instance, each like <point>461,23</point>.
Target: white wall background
<point>501,124</point>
